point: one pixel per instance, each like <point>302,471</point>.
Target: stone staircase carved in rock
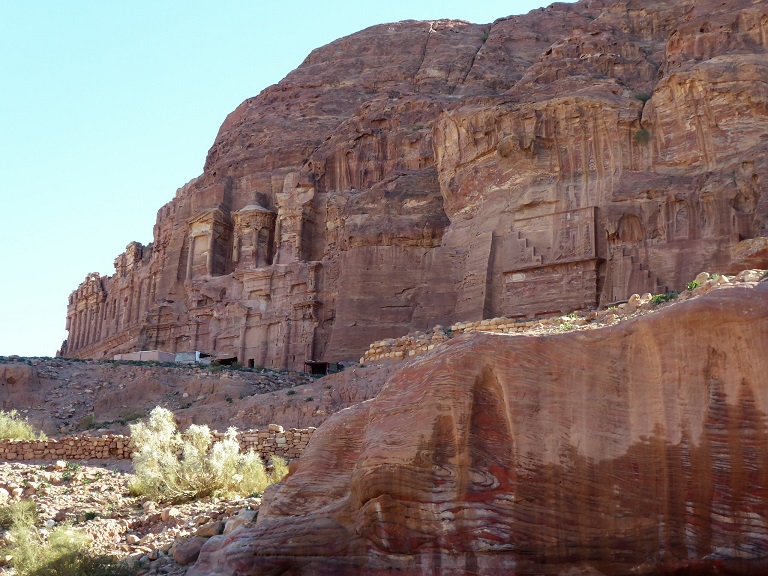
<point>527,250</point>
<point>631,276</point>
<point>549,263</point>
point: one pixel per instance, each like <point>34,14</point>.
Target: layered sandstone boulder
<point>639,448</point>
<point>424,173</point>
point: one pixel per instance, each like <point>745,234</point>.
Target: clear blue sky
<point>106,108</point>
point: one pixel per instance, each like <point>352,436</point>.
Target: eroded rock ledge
<point>636,448</point>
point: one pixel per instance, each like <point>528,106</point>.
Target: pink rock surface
<point>634,449</point>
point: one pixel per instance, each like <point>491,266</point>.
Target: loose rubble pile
<point>66,397</point>
<point>94,499</point>
<point>422,342</point>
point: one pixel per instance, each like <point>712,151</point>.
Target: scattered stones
<point>187,550</point>
<point>115,522</point>
<point>56,402</point>
<point>168,513</point>
<point>210,529</point>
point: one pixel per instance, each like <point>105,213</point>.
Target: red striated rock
<point>424,173</point>
<point>634,449</point>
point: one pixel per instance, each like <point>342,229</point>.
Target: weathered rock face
<point>638,448</point>
<point>429,172</point>
<point>19,382</point>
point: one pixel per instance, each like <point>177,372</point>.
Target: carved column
<point>190,256</point>
<point>236,250</point>
<point>104,324</point>
<point>94,307</point>
<point>72,338</point>
<point>88,323</point>
<point>83,328</point>
<point>243,332</point>
<point>76,331</point>
<point>121,306</point>
<point>137,303</point>
<point>72,331</point>
<point>209,258</point>
<point>257,257</point>
<point>263,344</point>
<point>286,351</point>
<point>80,329</point>
<point>96,322</point>
<point>99,319</point>
<point>152,288</point>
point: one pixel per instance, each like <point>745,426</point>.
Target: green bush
<point>666,297</point>
<point>16,427</point>
<point>64,552</point>
<point>174,467</point>
<point>693,284</point>
<point>642,136</point>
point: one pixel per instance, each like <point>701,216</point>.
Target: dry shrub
<point>174,467</point>
<point>15,427</point>
<point>61,552</point>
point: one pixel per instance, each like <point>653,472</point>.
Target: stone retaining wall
<point>274,440</point>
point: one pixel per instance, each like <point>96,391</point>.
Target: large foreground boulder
<point>638,448</point>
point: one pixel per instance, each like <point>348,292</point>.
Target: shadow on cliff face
<point>639,448</point>
<point>662,508</point>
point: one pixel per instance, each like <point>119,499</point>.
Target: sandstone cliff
<point>432,172</point>
<point>639,448</point>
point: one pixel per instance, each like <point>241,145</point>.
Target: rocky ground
<point>93,497</point>
<point>63,396</point>
<point>96,397</point>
